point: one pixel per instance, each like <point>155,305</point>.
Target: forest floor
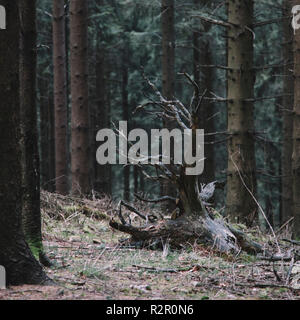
<point>89,263</point>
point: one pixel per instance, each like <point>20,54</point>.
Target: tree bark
<point>60,97</point>
<point>29,134</point>
<point>109,175</point>
<point>44,133</point>
<point>15,255</point>
<point>287,102</point>
<point>241,161</point>
<point>80,145</point>
<point>296,134</point>
<point>168,75</point>
<point>101,118</point>
<point>203,77</point>
<point>51,142</point>
<point>125,103</point>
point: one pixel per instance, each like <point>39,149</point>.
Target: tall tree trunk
<point>296,134</point>
<point>60,97</point>
<point>206,117</point>
<point>101,118</point>
<point>287,102</point>
<point>168,48</point>
<point>168,75</point>
<point>126,170</point>
<point>241,160</point>
<point>29,133</point>
<point>80,150</point>
<point>109,176</point>
<point>51,143</point>
<point>44,133</point>
<point>203,56</point>
<point>15,255</point>
<point>67,49</point>
<point>269,186</point>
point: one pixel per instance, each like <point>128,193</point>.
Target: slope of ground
<point>89,263</point>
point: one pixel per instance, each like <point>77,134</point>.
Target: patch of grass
<point>92,272</point>
<point>102,269</point>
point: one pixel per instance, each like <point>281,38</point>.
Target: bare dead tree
<point>195,222</point>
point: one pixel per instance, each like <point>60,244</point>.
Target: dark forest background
<point>75,67</point>
<point>124,36</point>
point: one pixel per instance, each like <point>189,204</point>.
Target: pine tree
<point>287,102</point>
<point>29,132</point>
<point>80,144</point>
<point>60,96</point>
<point>241,174</point>
<point>15,255</point>
<point>296,134</point>
<point>168,71</point>
<point>203,76</point>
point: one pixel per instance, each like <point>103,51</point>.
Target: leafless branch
<point>213,21</point>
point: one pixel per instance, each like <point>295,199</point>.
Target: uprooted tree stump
<point>183,230</point>
<point>194,223</point>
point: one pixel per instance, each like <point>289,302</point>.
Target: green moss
<point>36,247</point>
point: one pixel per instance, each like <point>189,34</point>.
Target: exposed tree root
<point>193,223</point>
<point>183,230</point>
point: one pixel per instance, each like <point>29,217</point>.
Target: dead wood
<point>194,223</point>
<point>186,229</point>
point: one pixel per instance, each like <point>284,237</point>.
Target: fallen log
<point>186,229</point>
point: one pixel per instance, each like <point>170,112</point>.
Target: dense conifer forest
<point>150,149</point>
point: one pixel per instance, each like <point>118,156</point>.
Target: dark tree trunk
<point>125,102</point>
<point>44,133</point>
<point>29,133</point>
<point>168,76</point>
<point>101,119</point>
<point>15,255</point>
<point>67,49</point>
<point>287,102</point>
<point>79,94</point>
<point>240,205</point>
<point>296,134</point>
<point>270,155</point>
<point>168,48</point>
<point>51,143</point>
<point>60,97</point>
<point>203,56</point>
<point>109,176</point>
